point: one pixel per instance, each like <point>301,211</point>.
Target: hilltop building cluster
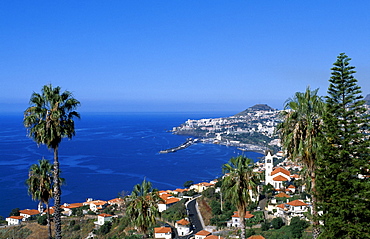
<point>239,130</point>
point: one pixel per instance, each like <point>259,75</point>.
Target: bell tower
<point>269,164</point>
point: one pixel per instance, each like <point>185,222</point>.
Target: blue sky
<point>178,55</point>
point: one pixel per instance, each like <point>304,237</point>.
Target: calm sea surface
<point>109,154</point>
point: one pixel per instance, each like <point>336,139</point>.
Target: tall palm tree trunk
<point>57,194</point>
<point>316,228</point>
<point>242,223</point>
<point>49,222</point>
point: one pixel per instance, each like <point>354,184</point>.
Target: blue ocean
<point>109,154</point>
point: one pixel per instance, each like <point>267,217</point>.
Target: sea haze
<point>110,153</point>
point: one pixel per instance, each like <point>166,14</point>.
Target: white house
<point>14,220</point>
<point>297,207</point>
<point>166,203</point>
<point>292,188</point>
<point>28,214</point>
<point>163,232</point>
<point>183,227</point>
<point>96,205</point>
<point>200,187</point>
<point>202,234</point>
<point>102,218</point>
<point>278,176</point>
<point>116,201</point>
<point>235,219</point>
<point>68,208</point>
<point>293,208</point>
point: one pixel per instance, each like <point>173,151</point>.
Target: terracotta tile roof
<point>105,215</point>
<point>203,233</point>
<point>183,222</point>
<point>297,203</point>
<point>172,200</point>
<point>115,200</point>
<point>16,217</point>
<point>247,215</point>
<point>73,205</point>
<point>165,196</point>
<point>97,202</point>
<point>280,178</point>
<point>291,186</point>
<point>205,184</point>
<point>282,195</point>
<point>214,237</point>
<point>162,230</point>
<point>280,170</point>
<point>281,206</point>
<point>29,212</point>
<point>256,237</point>
<point>181,190</point>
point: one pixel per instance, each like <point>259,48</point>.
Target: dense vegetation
<point>343,182</point>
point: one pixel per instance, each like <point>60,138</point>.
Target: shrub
<point>250,232</point>
<point>277,223</point>
<point>14,212</point>
<point>42,220</point>
<point>72,223</point>
<point>91,212</point>
<point>265,226</point>
<point>297,226</point>
<point>104,229</point>
<point>209,192</point>
<point>175,212</point>
<point>76,227</point>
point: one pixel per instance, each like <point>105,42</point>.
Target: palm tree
<point>40,184</point>
<point>300,132</point>
<point>142,206</point>
<point>48,120</point>
<point>240,185</point>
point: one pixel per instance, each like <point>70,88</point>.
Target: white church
<point>277,176</point>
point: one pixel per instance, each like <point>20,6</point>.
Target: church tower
<point>269,164</point>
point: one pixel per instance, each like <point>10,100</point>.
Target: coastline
<point>108,155</point>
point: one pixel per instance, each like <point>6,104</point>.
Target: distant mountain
<point>367,99</point>
<point>257,107</point>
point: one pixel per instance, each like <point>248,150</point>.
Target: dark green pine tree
<point>343,187</point>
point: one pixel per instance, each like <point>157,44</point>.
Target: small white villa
<point>163,232</point>
<point>297,207</point>
<point>96,204</point>
<point>14,220</point>
<point>167,202</point>
<point>200,187</point>
<point>183,227</point>
<point>102,218</point>
<point>28,214</point>
<point>235,219</point>
<point>202,234</point>
<point>293,209</point>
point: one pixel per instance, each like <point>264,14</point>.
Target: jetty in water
<point>188,142</point>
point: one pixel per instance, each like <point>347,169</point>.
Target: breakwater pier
<point>187,143</point>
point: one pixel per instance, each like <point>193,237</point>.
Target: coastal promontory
<point>252,129</point>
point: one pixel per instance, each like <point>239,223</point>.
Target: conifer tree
<point>343,188</point>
